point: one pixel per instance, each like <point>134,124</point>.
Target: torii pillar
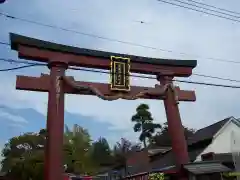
<point>178,140</point>
<point>55,122</point>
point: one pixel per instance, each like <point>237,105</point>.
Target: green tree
<point>23,156</point>
<point>77,151</point>
<point>163,139</point>
<point>121,151</point>
<point>144,123</point>
<point>101,152</point>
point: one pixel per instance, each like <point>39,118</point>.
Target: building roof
<point>202,137</point>
<point>205,167</point>
<point>157,150</point>
<point>207,132</point>
<point>168,158</point>
<point>17,40</point>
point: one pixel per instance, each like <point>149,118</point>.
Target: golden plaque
<point>120,74</point>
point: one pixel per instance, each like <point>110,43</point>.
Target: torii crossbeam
<point>60,57</point>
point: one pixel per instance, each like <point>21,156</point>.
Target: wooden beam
<point>42,84</point>
<point>44,55</point>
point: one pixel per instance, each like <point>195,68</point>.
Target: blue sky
<point>167,27</point>
<point>24,120</point>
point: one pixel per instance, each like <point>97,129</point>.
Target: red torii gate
<point>60,57</point>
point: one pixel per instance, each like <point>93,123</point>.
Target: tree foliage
<point>77,148</point>
<point>121,151</point>
<point>144,123</point>
<point>163,139</point>
<point>23,156</point>
<point>101,152</point>
<point>156,176</point>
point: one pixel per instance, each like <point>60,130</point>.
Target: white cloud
<point>168,28</point>
<point>12,118</point>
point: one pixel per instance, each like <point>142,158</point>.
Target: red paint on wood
<point>96,62</point>
<point>175,129</point>
<point>42,84</point>
<point>55,125</point>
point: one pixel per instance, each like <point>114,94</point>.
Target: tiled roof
<point>207,132</point>
<point>168,158</point>
<point>156,150</point>
<point>199,136</point>
<point>202,138</point>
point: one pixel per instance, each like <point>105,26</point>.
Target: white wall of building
<point>222,141</point>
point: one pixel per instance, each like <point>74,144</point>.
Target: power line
<point>112,39</point>
<point>215,77</point>
<point>208,84</point>
<point>20,67</point>
<point>42,64</point>
<point>20,62</point>
<point>149,77</point>
<point>139,76</point>
<point>201,7</point>
<point>221,9</point>
<point>4,43</point>
<point>201,11</point>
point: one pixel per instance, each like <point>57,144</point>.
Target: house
<point>214,138</point>
<point>210,144</point>
<point>221,136</point>
<point>210,151</point>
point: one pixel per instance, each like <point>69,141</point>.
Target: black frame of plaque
<point>120,74</point>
